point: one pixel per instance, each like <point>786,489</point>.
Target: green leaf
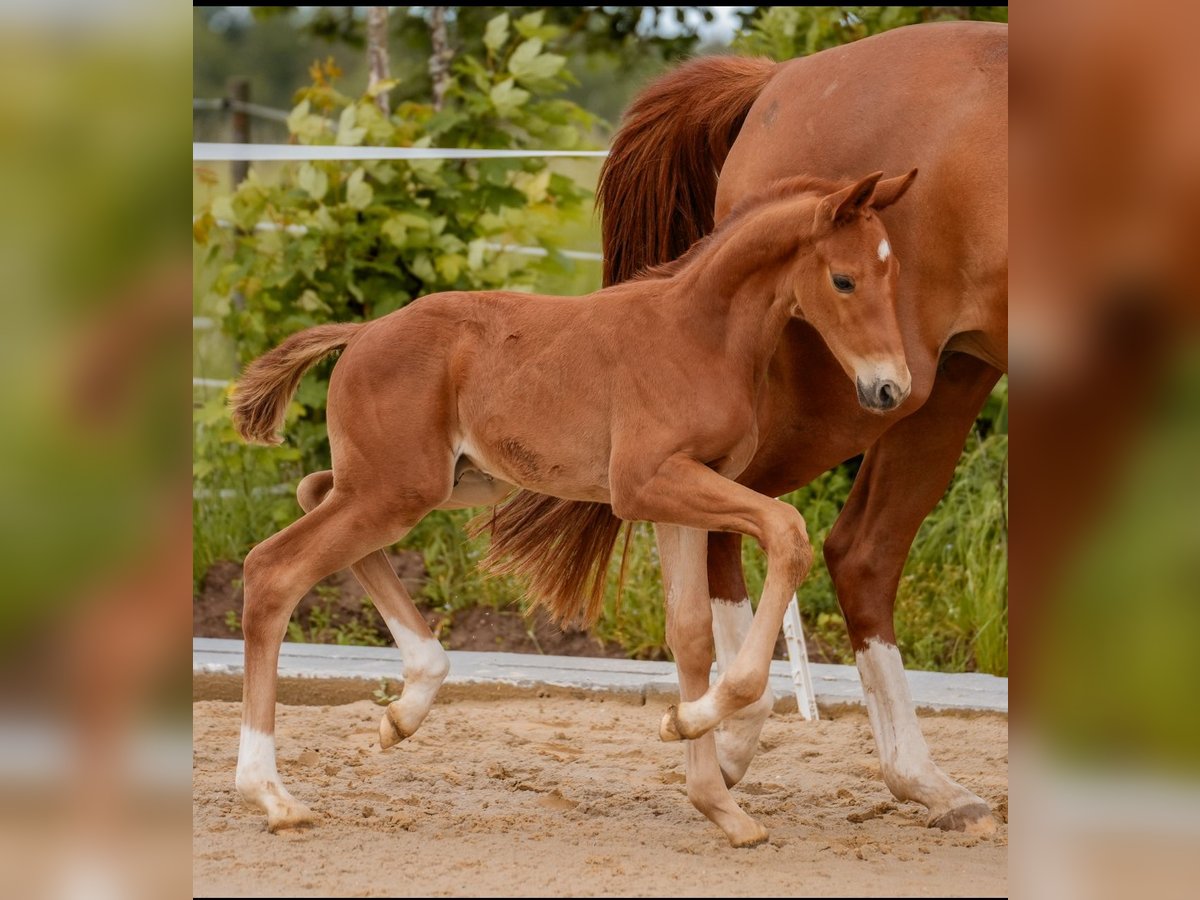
<point>347,134</point>
<point>222,208</point>
<point>310,301</point>
<point>395,231</point>
<point>304,125</point>
<point>475,251</point>
<point>526,52</point>
<point>533,185</point>
<point>358,193</point>
<point>496,33</point>
<point>380,87</point>
<point>507,98</point>
<point>449,265</point>
<point>423,268</point>
<point>528,63</point>
<point>530,26</point>
<point>313,181</point>
<point>201,227</point>
<point>530,22</point>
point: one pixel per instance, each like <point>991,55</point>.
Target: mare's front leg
<point>903,475</point>
<point>426,663</point>
<point>682,491</point>
<point>689,635</point>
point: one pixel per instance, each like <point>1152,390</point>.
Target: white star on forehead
<point>885,250</point>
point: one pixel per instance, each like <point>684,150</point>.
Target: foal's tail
<point>266,387</point>
<point>659,182</point>
<point>658,188</point>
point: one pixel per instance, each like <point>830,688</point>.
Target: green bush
<point>357,241</point>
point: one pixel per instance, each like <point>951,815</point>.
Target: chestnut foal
<point>645,395</point>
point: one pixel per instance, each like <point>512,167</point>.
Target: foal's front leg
<point>683,491</point>
<point>732,615</point>
<point>426,664</point>
<point>690,637</point>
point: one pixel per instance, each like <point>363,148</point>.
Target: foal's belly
<point>559,465</point>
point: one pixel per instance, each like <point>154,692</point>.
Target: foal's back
<point>511,380</point>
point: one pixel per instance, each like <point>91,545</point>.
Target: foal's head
<point>845,287</point>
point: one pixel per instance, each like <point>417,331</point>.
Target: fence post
<point>238,93</point>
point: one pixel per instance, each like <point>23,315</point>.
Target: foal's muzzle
<point>881,394</point>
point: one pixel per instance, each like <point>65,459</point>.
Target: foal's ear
<point>890,190</point>
<point>849,201</point>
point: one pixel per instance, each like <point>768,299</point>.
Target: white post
<point>793,634</point>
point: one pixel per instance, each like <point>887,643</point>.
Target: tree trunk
<point>377,52</point>
<point>238,94</point>
<point>439,60</point>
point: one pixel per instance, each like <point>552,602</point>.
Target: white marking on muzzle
<point>871,371</point>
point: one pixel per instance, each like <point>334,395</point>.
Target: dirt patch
<point>554,796</point>
<point>338,608</point>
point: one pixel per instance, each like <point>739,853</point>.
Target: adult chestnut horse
<point>934,96</point>
<point>645,395</point>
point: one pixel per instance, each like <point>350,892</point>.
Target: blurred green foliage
<point>611,50</point>
<point>785,32</point>
<point>366,239</point>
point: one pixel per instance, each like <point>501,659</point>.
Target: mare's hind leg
<point>425,662</point>
<point>337,533</point>
<point>903,475</point>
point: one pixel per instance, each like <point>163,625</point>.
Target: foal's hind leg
<point>425,662</point>
<point>278,572</point>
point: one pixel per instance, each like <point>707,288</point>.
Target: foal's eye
<point>843,283</point>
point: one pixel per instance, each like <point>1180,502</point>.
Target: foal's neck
<point>737,291</point>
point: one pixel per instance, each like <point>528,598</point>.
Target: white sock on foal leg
<point>258,780</point>
<point>737,735</point>
<point>425,668</point>
<point>908,769</point>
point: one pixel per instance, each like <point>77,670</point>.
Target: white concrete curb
<point>217,661</point>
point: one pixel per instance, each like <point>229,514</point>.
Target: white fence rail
<point>226,152</point>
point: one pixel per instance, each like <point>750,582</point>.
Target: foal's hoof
<point>974,818</point>
<point>668,730</point>
<point>293,815</point>
<point>752,837</point>
<point>390,732</point>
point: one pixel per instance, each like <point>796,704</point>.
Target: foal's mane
<point>784,189</point>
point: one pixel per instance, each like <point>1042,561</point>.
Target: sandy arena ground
<point>557,797</point>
